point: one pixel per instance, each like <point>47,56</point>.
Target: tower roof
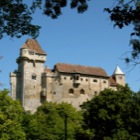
<point>32,44</point>
<point>117,71</point>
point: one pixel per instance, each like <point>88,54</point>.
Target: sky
<point>87,39</point>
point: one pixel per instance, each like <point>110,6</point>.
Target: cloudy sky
<point>85,39</point>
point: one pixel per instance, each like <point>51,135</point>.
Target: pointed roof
<point>69,68</point>
<point>117,71</point>
<point>32,44</point>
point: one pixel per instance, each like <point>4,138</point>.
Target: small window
<point>104,81</point>
<point>95,80</point>
<point>71,91</point>
<point>86,79</point>
<point>76,77</point>
<point>95,93</point>
<point>71,78</point>
<point>34,76</point>
<point>33,64</point>
<point>81,79</point>
<point>82,91</point>
<point>31,52</point>
<point>65,78</point>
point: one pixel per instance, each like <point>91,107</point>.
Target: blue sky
<point>87,39</point>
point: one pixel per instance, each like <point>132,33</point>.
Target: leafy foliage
<point>48,123</point>
<point>113,115</point>
<point>15,18</point>
<point>11,117</point>
<point>53,7</point>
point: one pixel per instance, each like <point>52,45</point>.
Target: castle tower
<point>29,75</point>
<point>119,76</point>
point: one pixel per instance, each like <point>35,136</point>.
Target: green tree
<point>16,18</point>
<point>54,122</point>
<point>123,13</point>
<point>11,117</point>
<point>113,115</point>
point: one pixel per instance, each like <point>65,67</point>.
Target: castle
<point>33,84</point>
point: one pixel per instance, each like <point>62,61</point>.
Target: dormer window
<point>34,76</point>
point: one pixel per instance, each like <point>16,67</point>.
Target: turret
<point>119,76</point>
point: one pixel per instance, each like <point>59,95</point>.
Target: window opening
<point>34,76</point>
<point>95,80</point>
<point>71,90</point>
<point>31,52</point>
<point>76,77</point>
<point>95,92</point>
<point>71,78</point>
<point>82,91</point>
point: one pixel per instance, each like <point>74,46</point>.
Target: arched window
<point>71,91</point>
<point>82,91</point>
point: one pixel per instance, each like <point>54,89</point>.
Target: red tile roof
<point>32,44</point>
<point>112,82</point>
<point>68,68</point>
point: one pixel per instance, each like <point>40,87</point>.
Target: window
<point>81,79</point>
<point>71,91</point>
<point>65,78</point>
<point>95,80</point>
<point>34,64</point>
<point>82,91</point>
<point>31,52</point>
<point>95,93</point>
<point>86,79</point>
<point>34,76</point>
<point>76,77</point>
<point>71,78</point>
<point>104,81</point>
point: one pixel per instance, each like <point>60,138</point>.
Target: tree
<point>123,13</point>
<point>54,122</point>
<point>113,115</point>
<point>16,18</point>
<point>11,117</point>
